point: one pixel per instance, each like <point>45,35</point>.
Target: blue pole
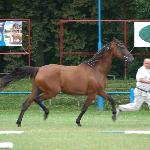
<point>15,92</point>
<point>100,99</point>
<point>100,103</point>
<point>99,26</point>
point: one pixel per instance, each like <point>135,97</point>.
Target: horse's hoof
<point>114,118</point>
<point>18,124</point>
<point>46,116</point>
<point>78,123</point>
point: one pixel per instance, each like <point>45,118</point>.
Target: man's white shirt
<point>145,74</point>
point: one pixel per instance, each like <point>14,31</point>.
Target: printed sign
<point>11,33</point>
<point>141,34</point>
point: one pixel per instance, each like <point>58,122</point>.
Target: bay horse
<point>88,78</point>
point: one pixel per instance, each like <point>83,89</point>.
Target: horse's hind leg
<point>25,106</point>
<point>87,103</point>
<point>39,96</point>
<point>41,104</point>
<point>46,111</point>
<point>44,96</point>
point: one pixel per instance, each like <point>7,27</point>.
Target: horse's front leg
<point>25,106</point>
<point>88,102</point>
<point>112,102</point>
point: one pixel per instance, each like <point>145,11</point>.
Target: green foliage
<point>45,18</point>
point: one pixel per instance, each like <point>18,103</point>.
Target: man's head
<point>146,63</point>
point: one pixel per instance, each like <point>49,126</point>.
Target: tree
<point>45,16</point>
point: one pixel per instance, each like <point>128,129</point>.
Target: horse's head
<point>120,51</point>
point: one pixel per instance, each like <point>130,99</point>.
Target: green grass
<point>59,131</point>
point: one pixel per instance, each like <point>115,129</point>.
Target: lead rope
<point>126,57</point>
<point>130,51</point>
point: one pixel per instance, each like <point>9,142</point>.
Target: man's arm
<point>142,80</point>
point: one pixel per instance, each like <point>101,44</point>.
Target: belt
<point>142,90</point>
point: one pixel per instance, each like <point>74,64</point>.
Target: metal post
<point>61,41</point>
<point>99,26</point>
<point>125,43</point>
<point>100,99</point>
<point>29,36</point>
<point>100,103</point>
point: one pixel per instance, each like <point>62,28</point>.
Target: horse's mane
<point>97,56</point>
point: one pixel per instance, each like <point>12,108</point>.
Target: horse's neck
<point>104,64</point>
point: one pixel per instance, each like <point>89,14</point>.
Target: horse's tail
<point>17,74</point>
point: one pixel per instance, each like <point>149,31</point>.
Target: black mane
<point>97,56</point>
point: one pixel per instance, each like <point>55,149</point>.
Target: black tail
<point>17,74</point>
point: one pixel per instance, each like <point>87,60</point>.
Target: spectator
<point>142,90</point>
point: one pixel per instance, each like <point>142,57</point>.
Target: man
<point>142,90</point>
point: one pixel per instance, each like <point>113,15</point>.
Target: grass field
<point>59,131</point>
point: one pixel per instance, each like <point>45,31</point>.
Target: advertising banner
<point>11,33</point>
<point>141,34</point>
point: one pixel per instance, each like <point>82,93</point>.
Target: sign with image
<point>141,34</point>
<point>11,33</point>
